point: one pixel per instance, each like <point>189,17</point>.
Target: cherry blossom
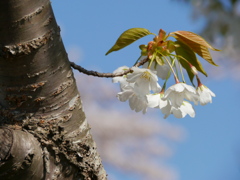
<point>205,94</point>
<point>157,101</point>
<point>145,80</point>
<point>182,111</point>
<point>162,70</point>
<point>180,91</point>
<point>137,102</point>
<point>120,79</point>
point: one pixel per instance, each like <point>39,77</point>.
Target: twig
<point>106,75</point>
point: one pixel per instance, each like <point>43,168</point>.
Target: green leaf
<point>128,37</point>
<point>184,53</point>
<point>196,43</point>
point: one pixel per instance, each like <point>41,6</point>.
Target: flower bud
<point>194,70</point>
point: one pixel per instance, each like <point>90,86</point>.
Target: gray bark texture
<point>44,134</point>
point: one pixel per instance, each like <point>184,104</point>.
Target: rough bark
<point>44,133</point>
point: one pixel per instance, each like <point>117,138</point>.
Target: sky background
<point>210,149</point>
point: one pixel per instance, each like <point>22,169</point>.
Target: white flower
<point>182,111</point>
<point>177,92</point>
<point>120,79</point>
<point>162,70</point>
<point>205,94</point>
<point>156,101</point>
<point>145,80</point>
<point>136,101</point>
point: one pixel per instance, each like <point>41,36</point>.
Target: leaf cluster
<point>185,48</point>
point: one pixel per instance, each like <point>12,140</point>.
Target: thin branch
<point>106,75</point>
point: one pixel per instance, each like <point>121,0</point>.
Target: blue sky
<point>211,149</point>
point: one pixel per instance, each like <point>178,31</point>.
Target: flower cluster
<point>141,89</point>
<point>163,57</point>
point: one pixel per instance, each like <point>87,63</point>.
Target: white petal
<point>121,69</point>
<point>121,80</point>
<point>133,101</point>
<point>188,109</point>
<point>172,89</point>
<point>126,93</point>
<point>192,97</point>
<point>189,88</point>
<point>205,98</point>
<point>138,70</point>
<point>124,96</point>
<point>162,71</point>
<point>210,92</point>
<point>205,95</point>
<point>178,113</point>
<point>116,79</point>
<point>141,89</point>
<point>179,87</point>
<point>165,107</point>
<point>138,103</point>
<point>164,104</point>
<point>177,99</point>
<point>153,100</point>
<point>153,75</point>
<point>139,106</point>
<point>155,87</point>
<point>132,77</point>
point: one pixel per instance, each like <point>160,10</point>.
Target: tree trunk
<point>43,130</point>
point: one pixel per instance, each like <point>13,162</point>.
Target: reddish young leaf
<point>161,35</point>
<point>196,43</point>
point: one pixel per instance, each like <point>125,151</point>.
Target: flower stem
<point>174,74</point>
<point>137,61</point>
<point>198,80</point>
<point>181,70</point>
<point>150,63</point>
